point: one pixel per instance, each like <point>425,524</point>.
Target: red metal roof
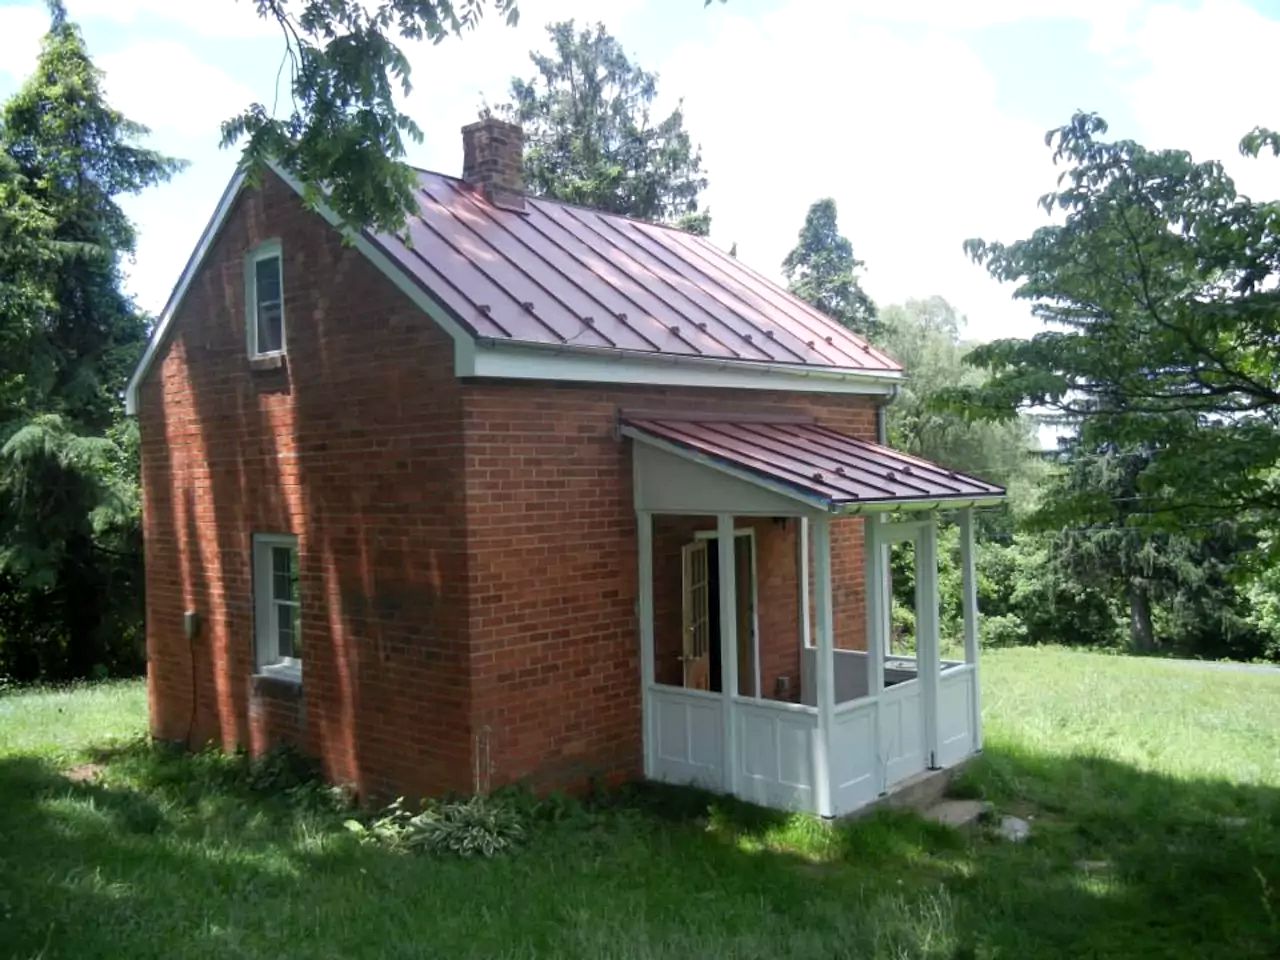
<point>560,274</point>
<point>818,461</point>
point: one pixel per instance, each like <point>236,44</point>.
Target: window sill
<point>267,361</point>
<point>278,679</point>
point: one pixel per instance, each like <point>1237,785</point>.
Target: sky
<point>923,119</point>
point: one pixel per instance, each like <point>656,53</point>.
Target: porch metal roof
<point>843,473</point>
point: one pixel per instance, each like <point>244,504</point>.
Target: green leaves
<point>343,133</point>
<point>1158,291</point>
<point>823,271</point>
<point>590,137</point>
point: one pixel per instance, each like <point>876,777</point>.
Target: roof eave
<point>958,502</point>
<point>179,292</point>
<point>548,361</point>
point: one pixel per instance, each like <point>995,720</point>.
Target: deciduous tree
<point>1159,294</point>
<point>343,129</point>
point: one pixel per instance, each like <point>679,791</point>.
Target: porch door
<point>696,656</point>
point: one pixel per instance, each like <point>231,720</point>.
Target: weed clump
<point>478,826</point>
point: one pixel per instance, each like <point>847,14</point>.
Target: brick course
<point>466,549</point>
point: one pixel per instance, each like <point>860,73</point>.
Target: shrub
<point>476,827</point>
<point>1003,630</point>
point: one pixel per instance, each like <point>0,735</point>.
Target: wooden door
<point>696,656</point>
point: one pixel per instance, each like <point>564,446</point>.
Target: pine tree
<point>590,137</point>
<point>68,493</point>
<point>822,270</point>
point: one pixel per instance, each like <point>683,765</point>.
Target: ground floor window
<point>277,623</point>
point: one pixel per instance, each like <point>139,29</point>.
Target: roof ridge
<point>539,198</point>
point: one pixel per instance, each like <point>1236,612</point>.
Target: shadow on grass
<point>174,856</point>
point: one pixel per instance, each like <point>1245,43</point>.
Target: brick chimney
<point>492,159</point>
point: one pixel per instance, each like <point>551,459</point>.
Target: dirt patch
<point>84,772</point>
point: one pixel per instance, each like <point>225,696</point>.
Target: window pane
<point>270,328</point>
<point>286,629</point>
<point>268,305</point>
<point>284,574</point>
<point>267,279</point>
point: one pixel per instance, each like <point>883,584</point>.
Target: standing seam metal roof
<point>559,274</point>
<point>819,461</point>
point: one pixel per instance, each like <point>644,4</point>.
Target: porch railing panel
<point>687,736</point>
<point>855,762</point>
<point>955,714</point>
<point>902,733</point>
<point>775,753</point>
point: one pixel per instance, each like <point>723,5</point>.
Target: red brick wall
<point>467,551</point>
<point>356,448</point>
<point>551,530</point>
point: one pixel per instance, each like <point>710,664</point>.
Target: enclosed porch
<point>770,667</point>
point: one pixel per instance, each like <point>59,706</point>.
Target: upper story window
<point>277,606</point>
<point>265,289</point>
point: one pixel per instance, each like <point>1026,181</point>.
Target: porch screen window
<point>277,606</point>
<point>266,302</point>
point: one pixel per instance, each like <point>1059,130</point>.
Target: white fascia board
<point>515,360</point>
<point>958,502</point>
<point>179,293</point>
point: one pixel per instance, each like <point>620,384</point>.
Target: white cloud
<point>902,128</point>
<point>206,18</point>
<point>166,86</point>
<point>889,109</point>
<point>20,31</point>
<point>1207,78</point>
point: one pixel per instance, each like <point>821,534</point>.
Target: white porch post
<point>969,605</point>
<point>802,568</point>
<point>644,540</point>
<point>824,667</point>
<point>876,570</point>
<point>728,646</point>
<point>877,600</point>
<point>927,651</point>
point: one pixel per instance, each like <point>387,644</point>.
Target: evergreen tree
<point>69,547</point>
<point>822,270</point>
<point>590,136</point>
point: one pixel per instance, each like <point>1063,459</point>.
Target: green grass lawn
<point>1153,788</point>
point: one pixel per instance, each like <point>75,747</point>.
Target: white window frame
<point>264,251</point>
<point>266,609</point>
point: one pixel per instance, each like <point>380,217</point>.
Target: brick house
<point>536,493</point>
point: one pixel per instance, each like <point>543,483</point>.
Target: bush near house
<point>1153,789</point>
